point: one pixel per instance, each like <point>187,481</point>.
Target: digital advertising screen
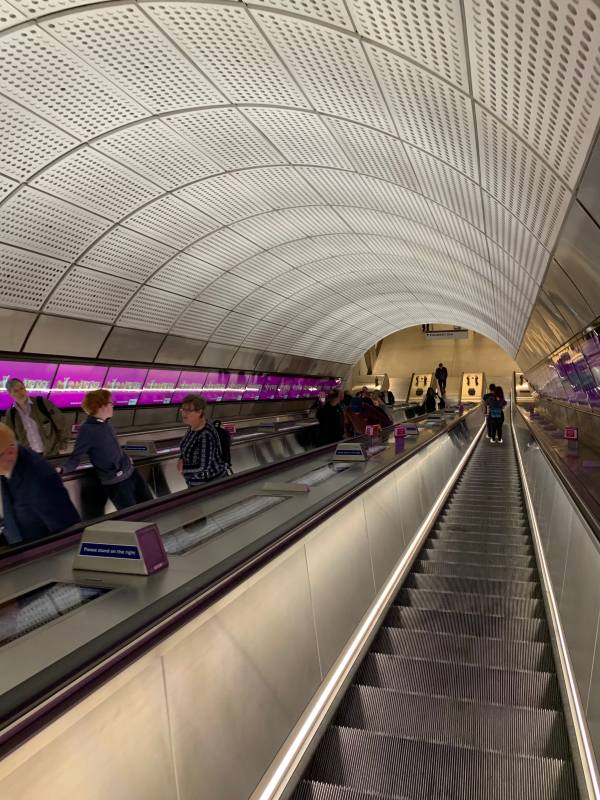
<point>284,388</point>
<point>190,382</point>
<point>73,381</point>
<point>296,388</point>
<point>36,377</point>
<point>254,384</point>
<point>214,387</point>
<point>236,386</point>
<point>269,387</point>
<point>159,387</point>
<point>125,384</point>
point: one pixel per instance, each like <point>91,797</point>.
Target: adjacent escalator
<point>458,696</point>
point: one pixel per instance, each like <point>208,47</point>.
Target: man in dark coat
<point>441,375</point>
<point>34,501</point>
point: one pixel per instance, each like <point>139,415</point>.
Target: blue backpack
<point>496,409</point>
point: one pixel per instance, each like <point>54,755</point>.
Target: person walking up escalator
<point>497,415</point>
<point>441,376</point>
<point>487,401</point>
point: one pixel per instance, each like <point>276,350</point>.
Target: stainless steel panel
<point>384,527</point>
<point>294,364</point>
<point>577,253</point>
<point>245,358</point>
<point>179,350</point>
<point>341,578</point>
<point>113,744</point>
<point>14,327</point>
<point>268,361</point>
<point>566,297</point>
<point>216,355</point>
<point>410,506</point>
<point>593,698</point>
<point>59,336</point>
<point>127,343</point>
<point>123,417</point>
<point>237,683</point>
<point>589,189</point>
<point>580,602</point>
<point>158,415</point>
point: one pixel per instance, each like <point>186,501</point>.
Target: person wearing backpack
<point>225,442</point>
<point>201,458</point>
<point>496,407</point>
<point>37,423</point>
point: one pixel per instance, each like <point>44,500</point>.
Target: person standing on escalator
<point>496,407</point>
<point>441,376</point>
<point>201,457</point>
<point>331,420</point>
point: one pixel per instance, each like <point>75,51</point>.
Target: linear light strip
<point>582,734</point>
<point>278,782</point>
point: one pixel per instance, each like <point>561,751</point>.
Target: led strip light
<point>582,735</point>
<point>276,782</point>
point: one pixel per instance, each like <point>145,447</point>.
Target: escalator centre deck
<point>457,696</point>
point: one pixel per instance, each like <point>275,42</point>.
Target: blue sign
<point>109,550</point>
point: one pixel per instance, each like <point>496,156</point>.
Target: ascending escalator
<point>458,696</point>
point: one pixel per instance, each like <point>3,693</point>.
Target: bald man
<point>34,501</point>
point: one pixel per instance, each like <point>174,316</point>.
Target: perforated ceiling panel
<point>300,176</point>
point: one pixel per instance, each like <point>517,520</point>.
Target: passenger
<point>35,503</point>
<point>365,396</point>
<point>487,400</point>
<point>37,423</point>
<point>388,397</point>
<point>331,420</point>
<point>430,404</point>
<point>497,414</point>
<point>441,376</point>
<point>97,440</point>
<point>201,458</point>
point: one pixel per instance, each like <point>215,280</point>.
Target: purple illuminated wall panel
<point>214,386</point>
<point>270,386</point>
<point>284,389</point>
<point>296,388</point>
<point>236,386</point>
<point>73,381</point>
<point>159,387</point>
<point>190,382</point>
<point>125,384</point>
<point>37,378</point>
<point>254,384</point>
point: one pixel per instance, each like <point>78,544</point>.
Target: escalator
<point>457,696</point>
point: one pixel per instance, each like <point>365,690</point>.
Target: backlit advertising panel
<point>296,388</point>
<point>36,377</point>
<point>125,385</point>
<point>190,382</point>
<point>284,388</point>
<point>214,386</point>
<point>159,387</point>
<point>236,386</point>
<point>73,381</point>
<point>270,386</point>
<point>254,384</point>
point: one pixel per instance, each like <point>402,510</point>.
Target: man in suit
<point>34,501</point>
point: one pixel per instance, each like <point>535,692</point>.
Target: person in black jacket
<point>430,404</point>
<point>441,376</point>
<point>34,501</point>
<point>97,440</point>
<point>331,420</point>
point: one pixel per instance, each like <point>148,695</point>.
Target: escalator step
<point>479,586</point>
<point>464,568</point>
<point>482,527</point>
<point>449,648</point>
<point>476,556</point>
<point>484,546</point>
<point>462,624</point>
<point>399,768</point>
<point>315,790</point>
<point>527,731</point>
<point>470,514</point>
<point>478,532</point>
<point>474,603</point>
<point>462,681</point>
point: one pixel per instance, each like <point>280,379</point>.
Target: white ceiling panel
<point>429,33</point>
<point>171,221</point>
<point>290,282</point>
<point>281,187</point>
<point>333,12</point>
<point>261,268</point>
<point>223,198</point>
<point>9,15</point>
<point>7,185</point>
<point>234,329</point>
<point>227,46</point>
<point>269,229</point>
<point>303,251</point>
<point>27,278</point>
<point>36,221</point>
<point>152,310</point>
<point>127,254</point>
<point>331,68</point>
<point>224,248</point>
<point>199,321</point>
<point>259,303</point>
<point>90,295</point>
<point>261,335</point>
<point>284,312</point>
<point>33,10</point>
<point>45,77</point>
<point>121,43</point>
<point>301,137</point>
<point>185,275</point>
<point>227,291</point>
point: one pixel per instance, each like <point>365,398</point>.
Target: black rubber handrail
<point>75,686</point>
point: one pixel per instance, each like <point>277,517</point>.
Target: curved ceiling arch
<point>216,170</point>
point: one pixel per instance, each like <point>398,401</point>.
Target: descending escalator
<point>458,696</point>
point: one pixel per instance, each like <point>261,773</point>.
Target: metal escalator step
<point>481,586</point>
<point>496,515</point>
<point>480,496</point>
<point>482,516</point>
<point>468,624</point>
<point>495,547</point>
<point>484,652</point>
<point>465,568</point>
<point>471,603</point>
<point>482,528</point>
<point>476,556</point>
<point>451,532</point>
<point>505,729</point>
<point>497,506</point>
<point>398,767</point>
<point>316,790</point>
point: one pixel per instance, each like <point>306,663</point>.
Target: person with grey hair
<point>36,421</point>
<point>201,457</point>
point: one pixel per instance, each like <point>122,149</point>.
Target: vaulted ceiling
<point>293,176</point>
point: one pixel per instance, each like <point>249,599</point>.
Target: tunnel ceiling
<point>294,176</point>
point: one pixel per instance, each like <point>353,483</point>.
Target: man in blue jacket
<point>34,501</point>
